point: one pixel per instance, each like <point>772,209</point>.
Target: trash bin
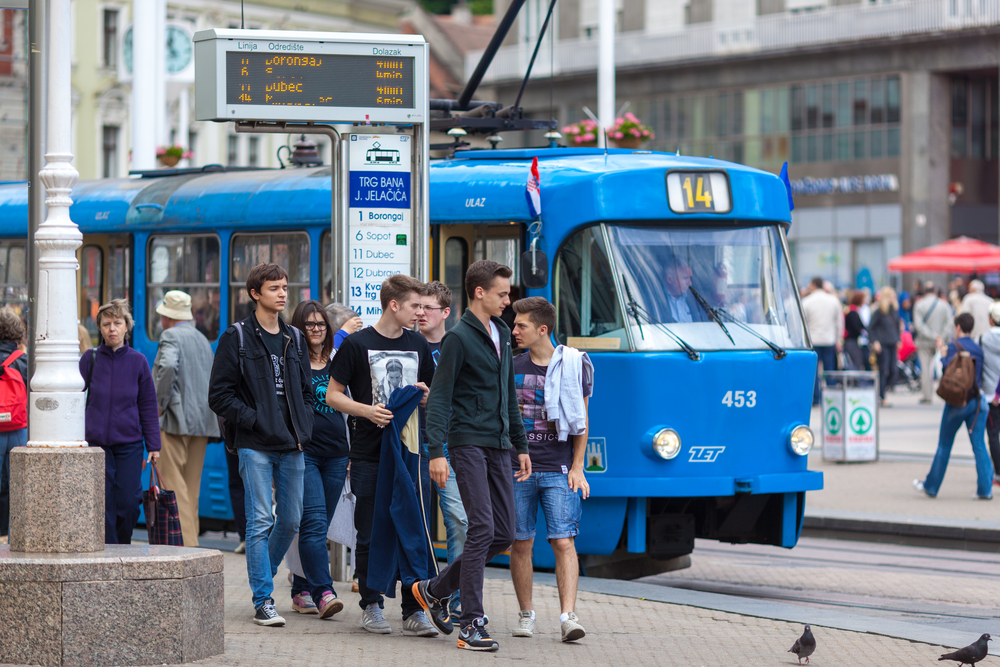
<point>850,416</point>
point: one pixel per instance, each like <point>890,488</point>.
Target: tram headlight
<point>801,440</point>
<point>667,443</point>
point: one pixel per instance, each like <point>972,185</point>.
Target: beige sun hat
<point>176,305</point>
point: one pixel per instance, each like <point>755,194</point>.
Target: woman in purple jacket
<point>121,418</point>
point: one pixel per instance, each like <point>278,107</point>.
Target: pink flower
<point>635,132</point>
<point>588,137</point>
<point>187,155</point>
<point>632,117</point>
<point>618,135</point>
<point>619,120</point>
<point>161,151</point>
<point>645,133</point>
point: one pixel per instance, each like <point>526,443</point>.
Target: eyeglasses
<point>433,308</point>
<point>315,326</point>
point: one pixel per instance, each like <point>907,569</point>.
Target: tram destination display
<point>310,77</point>
<point>319,80</point>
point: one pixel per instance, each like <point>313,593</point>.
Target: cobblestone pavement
<point>620,630</point>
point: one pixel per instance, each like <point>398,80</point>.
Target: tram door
<point>105,273</point>
<point>455,247</point>
<point>458,246</point>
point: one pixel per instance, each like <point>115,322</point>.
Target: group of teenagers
<point>500,435</point>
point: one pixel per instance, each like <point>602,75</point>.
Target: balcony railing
<point>849,23</point>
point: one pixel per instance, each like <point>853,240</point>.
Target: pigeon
<point>971,654</point>
<point>805,645</point>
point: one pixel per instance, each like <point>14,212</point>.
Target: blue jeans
<point>560,506</point>
<point>268,539</point>
<point>456,524</point>
<point>322,484</point>
<point>951,419</point>
<point>122,491</point>
<point>8,441</point>
<point>828,359</point>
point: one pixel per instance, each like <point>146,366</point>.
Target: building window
<point>190,264</point>
<point>111,38</point>
<point>13,274</point>
<point>254,151</point>
<point>232,146</point>
<point>974,117</point>
<point>288,250</point>
<point>109,148</point>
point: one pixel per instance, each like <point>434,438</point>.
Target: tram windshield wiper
<point>639,313</point>
<point>779,352</point>
<point>711,313</point>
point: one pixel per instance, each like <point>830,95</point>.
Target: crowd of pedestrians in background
<point>914,334</point>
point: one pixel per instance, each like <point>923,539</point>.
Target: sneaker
<point>996,480</point>
<point>267,615</point>
<point>919,487</point>
<point>572,630</point>
<point>474,637</point>
<point>989,497</point>
<point>303,603</point>
<point>525,624</point>
<point>417,625</point>
<point>373,621</point>
<point>241,549</point>
<point>329,605</point>
<point>437,613</point>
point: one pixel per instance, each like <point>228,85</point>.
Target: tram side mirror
<point>534,269</point>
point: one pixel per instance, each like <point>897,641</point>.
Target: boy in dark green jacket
<point>474,384</point>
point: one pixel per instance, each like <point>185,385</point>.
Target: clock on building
<point>177,50</point>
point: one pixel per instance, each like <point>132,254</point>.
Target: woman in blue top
<point>325,470</point>
<point>121,417</point>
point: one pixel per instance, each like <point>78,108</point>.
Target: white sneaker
<point>572,630</point>
<point>417,625</point>
<point>373,621</point>
<point>525,624</point>
<point>919,488</point>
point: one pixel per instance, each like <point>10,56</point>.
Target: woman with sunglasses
<point>325,470</point>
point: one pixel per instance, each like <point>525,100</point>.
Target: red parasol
<point>961,255</point>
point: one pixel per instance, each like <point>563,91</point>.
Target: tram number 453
<point>739,399</point>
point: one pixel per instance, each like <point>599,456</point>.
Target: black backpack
<point>227,429</point>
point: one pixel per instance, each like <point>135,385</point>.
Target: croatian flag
<point>533,192</point>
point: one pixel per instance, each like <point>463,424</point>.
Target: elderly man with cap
<point>990,342</point>
<point>181,372</point>
<point>977,304</point>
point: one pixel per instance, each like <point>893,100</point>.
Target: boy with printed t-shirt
<point>557,465</point>
<point>372,363</point>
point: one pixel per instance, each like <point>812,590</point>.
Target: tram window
<point>290,251</point>
<point>91,286</point>
<point>13,275</point>
<point>585,291</point>
<point>741,271</point>
<point>120,267</point>
<point>189,264</point>
<point>456,260</point>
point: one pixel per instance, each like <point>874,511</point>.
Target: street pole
<point>56,403</point>
<point>144,127</point>
<point>36,153</point>
<point>606,69</point>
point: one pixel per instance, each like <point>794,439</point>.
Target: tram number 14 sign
<point>379,217</point>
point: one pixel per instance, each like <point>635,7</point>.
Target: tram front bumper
<point>686,487</point>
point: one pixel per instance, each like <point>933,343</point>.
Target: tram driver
<point>679,305</point>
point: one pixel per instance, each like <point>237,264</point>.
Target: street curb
<point>969,535</point>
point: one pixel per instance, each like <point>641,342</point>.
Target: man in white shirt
<point>977,304</point>
<point>825,320</point>
<point>931,326</point>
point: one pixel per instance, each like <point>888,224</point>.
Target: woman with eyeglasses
<point>325,469</point>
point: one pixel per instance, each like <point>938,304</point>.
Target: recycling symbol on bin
<point>861,420</point>
<point>833,421</point>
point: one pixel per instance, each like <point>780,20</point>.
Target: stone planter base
<point>126,605</point>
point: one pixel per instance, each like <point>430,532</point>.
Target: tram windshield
<point>708,288</point>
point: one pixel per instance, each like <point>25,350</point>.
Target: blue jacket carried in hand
<point>400,550</point>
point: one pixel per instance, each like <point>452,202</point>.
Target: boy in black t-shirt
<point>557,464</point>
<point>373,362</point>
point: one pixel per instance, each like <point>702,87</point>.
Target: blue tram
<point>672,272</point>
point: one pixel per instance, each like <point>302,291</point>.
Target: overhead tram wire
<point>534,54</point>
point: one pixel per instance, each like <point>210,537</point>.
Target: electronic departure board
<point>319,80</point>
<point>304,76</point>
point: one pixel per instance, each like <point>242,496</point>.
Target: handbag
<point>163,522</point>
<point>342,525</point>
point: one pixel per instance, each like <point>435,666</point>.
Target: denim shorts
<point>560,506</point>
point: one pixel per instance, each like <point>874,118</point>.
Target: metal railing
<point>848,23</point>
